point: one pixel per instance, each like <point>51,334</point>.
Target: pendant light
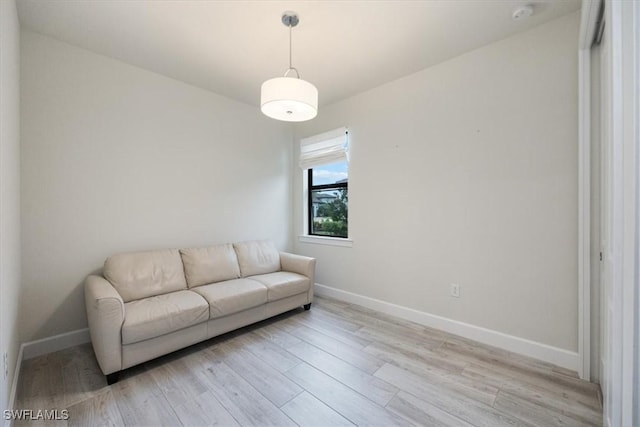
<point>287,98</point>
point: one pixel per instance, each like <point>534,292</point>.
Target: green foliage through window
<point>328,208</point>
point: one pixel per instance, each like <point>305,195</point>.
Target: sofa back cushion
<point>140,275</point>
<point>210,265</point>
<point>257,257</point>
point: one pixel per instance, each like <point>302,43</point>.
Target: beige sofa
<point>148,304</point>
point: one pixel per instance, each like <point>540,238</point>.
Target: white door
<point>606,252</point>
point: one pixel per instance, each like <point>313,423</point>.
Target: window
<point>325,159</point>
<point>328,199</point>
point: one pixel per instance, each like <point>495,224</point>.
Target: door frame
<point>588,20</point>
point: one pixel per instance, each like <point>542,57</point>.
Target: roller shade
<point>328,147</point>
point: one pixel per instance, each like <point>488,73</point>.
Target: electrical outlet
<point>455,290</point>
<point>5,362</point>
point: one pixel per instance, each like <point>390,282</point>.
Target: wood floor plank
<point>519,361</point>
<point>514,366</point>
<point>399,337</point>
<point>176,381</point>
<point>141,402</point>
<point>330,329</point>
<point>565,371</point>
<point>272,354</point>
<point>502,354</point>
<point>330,306</point>
<point>246,404</point>
<point>42,383</point>
<point>277,336</point>
<point>205,410</point>
<point>330,318</point>
<point>307,411</point>
<point>354,356</point>
<point>389,326</point>
<point>369,317</point>
<point>348,403</point>
<point>422,413</point>
<point>98,410</point>
<point>417,357</point>
<point>364,383</point>
<point>448,379</point>
<point>356,309</point>
<point>81,374</point>
<point>507,377</point>
<point>472,411</point>
<point>565,401</point>
<point>323,299</point>
<point>532,413</point>
<point>271,383</point>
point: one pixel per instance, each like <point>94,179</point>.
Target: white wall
<point>116,158</point>
<point>9,191</point>
<point>466,173</point>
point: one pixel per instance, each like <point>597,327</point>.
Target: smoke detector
<point>522,13</point>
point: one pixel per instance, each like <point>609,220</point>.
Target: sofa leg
<point>113,378</point>
<point>307,306</point>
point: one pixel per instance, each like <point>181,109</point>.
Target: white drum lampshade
<point>286,98</point>
<point>289,99</point>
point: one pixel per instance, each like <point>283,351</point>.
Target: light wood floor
<point>336,364</point>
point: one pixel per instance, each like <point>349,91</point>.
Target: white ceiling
<point>231,47</point>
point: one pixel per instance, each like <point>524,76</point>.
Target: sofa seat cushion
<point>283,284</point>
<point>232,296</point>
<point>154,316</point>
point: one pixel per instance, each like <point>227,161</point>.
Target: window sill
<point>331,241</point>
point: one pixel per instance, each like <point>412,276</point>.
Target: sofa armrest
<point>105,313</point>
<point>302,265</point>
<point>298,264</point>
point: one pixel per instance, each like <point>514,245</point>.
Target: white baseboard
<point>55,343</point>
<point>557,356</point>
